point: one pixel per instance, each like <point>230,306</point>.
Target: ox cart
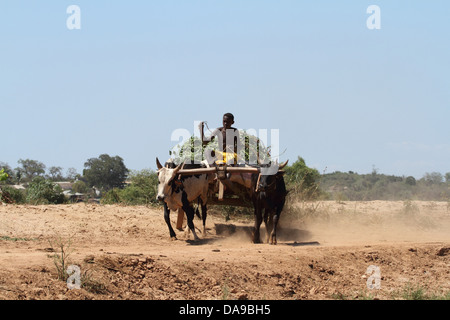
<point>232,186</point>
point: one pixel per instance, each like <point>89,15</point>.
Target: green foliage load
<point>193,150</point>
<point>42,191</point>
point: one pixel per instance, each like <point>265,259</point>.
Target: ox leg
<point>276,218</point>
<point>273,234</point>
<point>186,232</point>
<point>173,236</point>
<point>258,220</point>
<point>204,213</point>
<point>190,221</point>
<point>268,214</point>
<point>190,215</point>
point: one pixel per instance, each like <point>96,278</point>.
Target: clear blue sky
<point>342,96</point>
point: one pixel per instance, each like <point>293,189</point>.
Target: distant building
<point>65,185</point>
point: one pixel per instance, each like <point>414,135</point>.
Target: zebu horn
<point>178,168</point>
<point>158,164</point>
<point>281,166</point>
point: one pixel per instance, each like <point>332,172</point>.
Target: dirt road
<point>326,250</point>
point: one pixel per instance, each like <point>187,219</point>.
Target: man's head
<point>228,120</point>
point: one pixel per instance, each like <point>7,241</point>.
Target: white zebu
<point>180,191</point>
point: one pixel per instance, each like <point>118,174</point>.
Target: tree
<point>302,178</point>
<point>447,177</point>
<point>72,174</point>
<point>30,169</point>
<point>410,181</point>
<point>433,178</point>
<point>105,172</point>
<point>55,173</point>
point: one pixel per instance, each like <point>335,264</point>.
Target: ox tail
<point>197,212</point>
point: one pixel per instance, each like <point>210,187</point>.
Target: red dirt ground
<point>324,250</point>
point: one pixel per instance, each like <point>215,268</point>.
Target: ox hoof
<point>173,238</point>
<point>196,238</point>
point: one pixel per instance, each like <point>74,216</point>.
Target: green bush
<point>302,180</point>
<point>111,197</point>
<point>141,191</point>
<point>3,175</point>
<point>11,195</point>
<point>41,191</point>
<point>80,187</point>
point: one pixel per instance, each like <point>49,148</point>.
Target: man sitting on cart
<point>228,138</point>
<point>229,148</point>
